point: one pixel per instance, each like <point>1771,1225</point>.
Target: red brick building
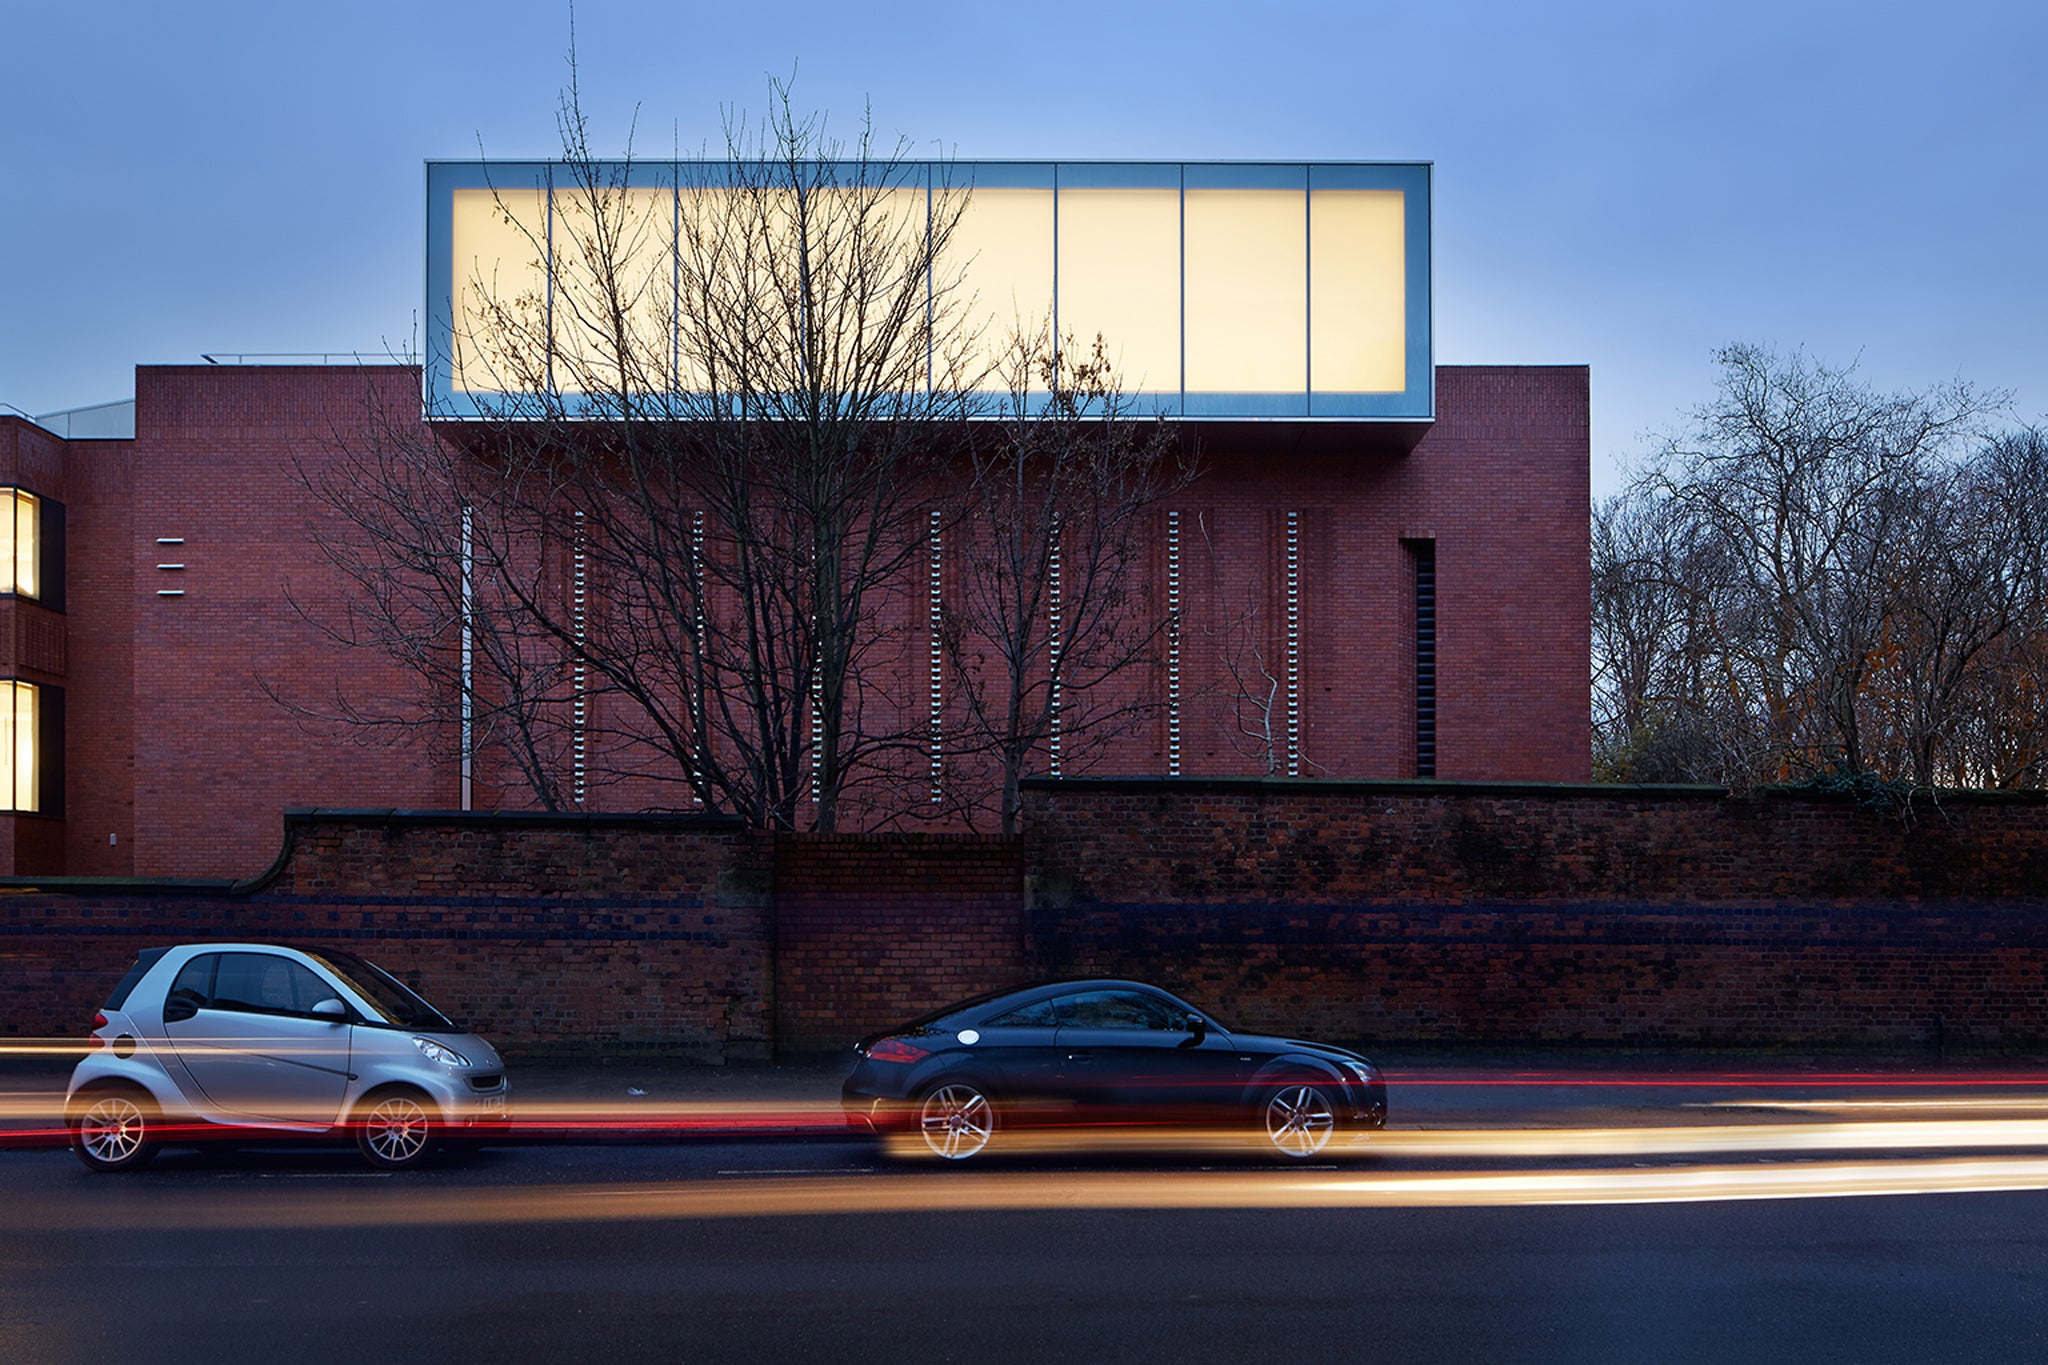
<point>1380,572</point>
<point>170,576</point>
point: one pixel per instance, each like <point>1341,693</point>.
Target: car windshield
<point>397,1003</point>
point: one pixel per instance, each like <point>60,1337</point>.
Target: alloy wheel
<point>957,1121</point>
<point>395,1131</point>
<point>113,1130</point>
<point>1299,1120</point>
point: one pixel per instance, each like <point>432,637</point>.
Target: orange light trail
<point>405,1202</point>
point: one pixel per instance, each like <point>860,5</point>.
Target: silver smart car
<point>212,1040</point>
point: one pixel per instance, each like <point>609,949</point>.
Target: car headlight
<point>1362,1070</point>
<point>435,1052</point>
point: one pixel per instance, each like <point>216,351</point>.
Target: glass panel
<point>1119,275</point>
<point>1002,248</point>
<point>21,746</point>
<point>721,297</point>
<point>26,579</point>
<point>498,239</point>
<point>876,301</point>
<point>1117,1010</point>
<point>1247,296</point>
<point>614,252</point>
<point>194,986</point>
<point>7,539</point>
<point>1358,340</point>
<point>751,294</point>
<point>1039,1015</point>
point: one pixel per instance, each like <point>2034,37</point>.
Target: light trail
<point>37,1120</point>
<point>409,1204</point>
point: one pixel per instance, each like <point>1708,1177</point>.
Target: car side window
<point>1040,1014</point>
<point>259,983</point>
<point>193,989</point>
<point>1119,1010</point>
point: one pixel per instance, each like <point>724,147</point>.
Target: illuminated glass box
<point>1222,290</point>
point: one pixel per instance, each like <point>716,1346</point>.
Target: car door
<point>1131,1056</point>
<point>1019,1050</point>
<point>243,1028</point>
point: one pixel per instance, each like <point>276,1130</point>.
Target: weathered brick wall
<point>1378,912</point>
<point>873,929</point>
<point>1506,915</point>
<point>1401,843</point>
<point>1513,975</point>
<point>538,932</point>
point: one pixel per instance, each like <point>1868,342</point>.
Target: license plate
<point>492,1104</point>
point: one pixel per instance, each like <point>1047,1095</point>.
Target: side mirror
<point>1198,1027</point>
<point>330,1009</point>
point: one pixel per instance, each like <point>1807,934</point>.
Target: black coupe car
<point>1102,1055</point>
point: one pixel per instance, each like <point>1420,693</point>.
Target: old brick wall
<point>1376,912</point>
<point>873,929</point>
<point>539,932</point>
<point>1510,914</point>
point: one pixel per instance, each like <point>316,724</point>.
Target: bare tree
<point>432,588</point>
<point>1052,612</point>
<point>706,456</point>
<point>1800,584</point>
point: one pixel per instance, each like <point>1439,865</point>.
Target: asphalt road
<point>782,1248</point>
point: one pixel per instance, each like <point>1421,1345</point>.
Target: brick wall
<point>1505,915</point>
<point>614,932</point>
<point>1374,912</point>
<point>873,929</point>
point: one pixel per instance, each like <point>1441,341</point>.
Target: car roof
<point>1044,990</point>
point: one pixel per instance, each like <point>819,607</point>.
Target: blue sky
<point>1624,185</point>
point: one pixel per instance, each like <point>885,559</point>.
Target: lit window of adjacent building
<point>21,745</point>
<point>20,542</point>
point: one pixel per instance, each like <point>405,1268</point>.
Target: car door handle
<point>1080,1056</point>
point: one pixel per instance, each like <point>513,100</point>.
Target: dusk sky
<point>1623,185</point>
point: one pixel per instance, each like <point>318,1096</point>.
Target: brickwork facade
<point>198,663</point>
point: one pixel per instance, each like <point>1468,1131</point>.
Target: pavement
<point>640,1097</point>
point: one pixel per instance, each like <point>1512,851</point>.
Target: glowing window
<point>1119,264</point>
<point>1247,302</point>
<point>498,241</point>
<point>613,247</point>
<point>19,709</point>
<point>20,543</point>
<point>1002,247</point>
<point>1359,299</point>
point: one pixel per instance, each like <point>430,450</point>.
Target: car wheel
<point>1300,1120</point>
<point>956,1120</point>
<point>115,1130</point>
<point>394,1130</point>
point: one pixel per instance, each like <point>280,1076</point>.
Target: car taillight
<point>93,1040</point>
<point>896,1050</point>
